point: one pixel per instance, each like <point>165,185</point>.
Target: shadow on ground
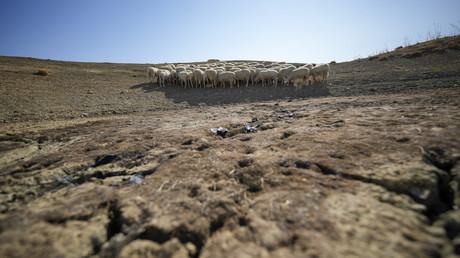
<point>252,93</point>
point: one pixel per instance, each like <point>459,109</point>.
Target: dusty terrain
<point>96,161</point>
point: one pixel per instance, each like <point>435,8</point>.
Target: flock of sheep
<point>217,73</point>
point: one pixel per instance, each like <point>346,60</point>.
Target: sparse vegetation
<point>435,33</point>
<point>407,42</point>
<point>42,72</point>
<point>439,45</point>
<point>382,55</point>
<point>410,54</point>
<point>436,42</point>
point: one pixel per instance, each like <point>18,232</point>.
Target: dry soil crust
<point>367,175</point>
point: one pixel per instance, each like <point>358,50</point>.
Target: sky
<point>159,31</point>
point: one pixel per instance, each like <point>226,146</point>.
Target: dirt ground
<point>97,161</point>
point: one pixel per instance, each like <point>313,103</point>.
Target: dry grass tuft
<point>42,72</point>
<point>382,56</point>
<point>410,54</point>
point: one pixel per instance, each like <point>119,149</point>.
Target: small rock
<point>65,181</point>
<point>220,131</point>
<point>90,92</point>
<point>135,179</point>
<point>191,248</point>
<point>249,129</point>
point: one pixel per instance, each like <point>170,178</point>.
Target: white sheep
<point>198,77</point>
<point>225,77</point>
<point>164,76</point>
<point>252,75</point>
<point>152,72</point>
<point>219,70</point>
<point>242,75</point>
<point>228,67</point>
<point>301,73</point>
<point>267,76</point>
<point>182,77</point>
<point>276,68</point>
<point>283,73</point>
<point>235,69</point>
<point>309,66</point>
<point>266,63</point>
<point>190,77</point>
<point>185,78</point>
<point>211,76</point>
<point>173,78</point>
<point>168,67</point>
<point>320,73</point>
<point>181,68</point>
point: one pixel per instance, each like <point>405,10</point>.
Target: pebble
<point>220,131</point>
<point>191,248</point>
<point>135,179</point>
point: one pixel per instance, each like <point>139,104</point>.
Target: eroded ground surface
<point>369,176</point>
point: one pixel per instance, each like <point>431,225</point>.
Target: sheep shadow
<point>252,93</point>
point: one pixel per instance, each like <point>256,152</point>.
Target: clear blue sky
<point>186,31</point>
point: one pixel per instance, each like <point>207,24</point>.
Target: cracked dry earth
<point>367,176</point>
